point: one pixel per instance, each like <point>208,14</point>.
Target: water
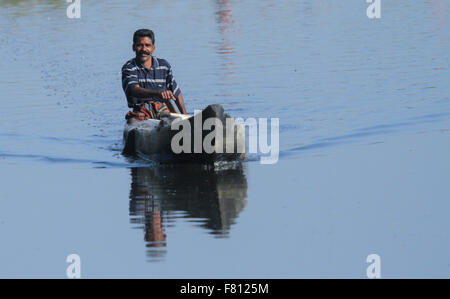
<point>364,140</point>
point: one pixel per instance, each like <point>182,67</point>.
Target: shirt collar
<point>155,63</point>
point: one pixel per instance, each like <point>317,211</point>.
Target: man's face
<point>144,48</point>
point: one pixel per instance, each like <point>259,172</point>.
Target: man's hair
<point>143,33</point>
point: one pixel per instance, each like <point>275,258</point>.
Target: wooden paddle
<point>179,115</point>
<point>171,106</point>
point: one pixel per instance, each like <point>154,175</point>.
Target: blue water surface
<point>364,113</point>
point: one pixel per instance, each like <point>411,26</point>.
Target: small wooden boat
<point>201,141</point>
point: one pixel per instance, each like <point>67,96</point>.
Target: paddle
<point>170,105</point>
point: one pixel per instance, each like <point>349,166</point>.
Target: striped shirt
<point>158,77</point>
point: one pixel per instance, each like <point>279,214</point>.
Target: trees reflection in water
<point>209,197</point>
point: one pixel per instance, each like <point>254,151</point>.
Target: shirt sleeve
<point>129,78</point>
<point>171,83</point>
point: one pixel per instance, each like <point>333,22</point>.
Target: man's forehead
<point>145,39</point>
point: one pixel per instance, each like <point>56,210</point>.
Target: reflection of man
<point>148,81</point>
<point>215,197</point>
<point>142,204</point>
<point>154,231</point>
<point>146,209</point>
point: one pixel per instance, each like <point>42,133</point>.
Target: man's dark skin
<point>144,49</point>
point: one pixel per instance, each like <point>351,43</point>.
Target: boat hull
<point>153,138</point>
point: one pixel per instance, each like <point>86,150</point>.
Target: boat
<point>207,137</point>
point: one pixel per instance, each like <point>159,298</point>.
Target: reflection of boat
<point>212,198</point>
<point>153,138</point>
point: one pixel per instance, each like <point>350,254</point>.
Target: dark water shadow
<point>165,195</point>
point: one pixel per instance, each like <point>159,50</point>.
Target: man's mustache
<point>143,52</point>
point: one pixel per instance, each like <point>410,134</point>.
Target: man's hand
<point>167,95</point>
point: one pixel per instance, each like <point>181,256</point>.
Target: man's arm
<point>139,92</point>
<point>173,88</point>
<point>167,95</point>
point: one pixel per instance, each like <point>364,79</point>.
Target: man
<point>148,81</point>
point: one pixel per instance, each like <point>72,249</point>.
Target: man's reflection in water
<point>160,195</point>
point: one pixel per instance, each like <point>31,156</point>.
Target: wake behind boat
<point>207,137</point>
